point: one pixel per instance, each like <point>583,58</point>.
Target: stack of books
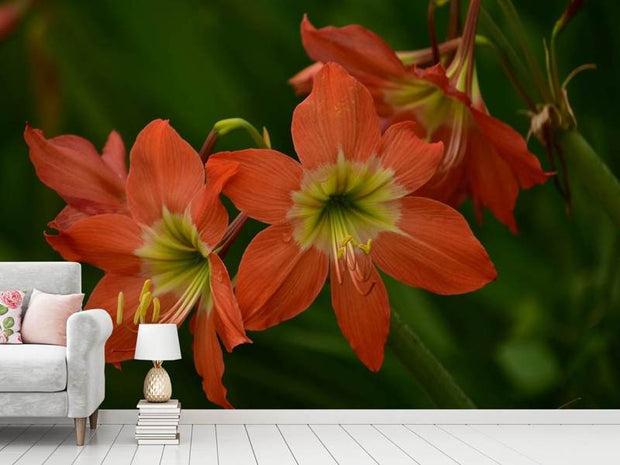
<point>158,423</point>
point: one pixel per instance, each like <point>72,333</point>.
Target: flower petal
<point>165,172</point>
<point>66,218</point>
<point>228,320</point>
<point>122,343</point>
<point>72,167</point>
<point>263,182</point>
<point>511,146</point>
<point>302,81</point>
<point>208,213</point>
<point>435,251</point>
<point>413,160</point>
<point>491,181</point>
<point>105,241</point>
<point>277,280</point>
<point>363,319</point>
<point>209,216</point>
<point>114,155</point>
<point>362,52</point>
<point>338,115</point>
<point>449,187</point>
<point>208,358</point>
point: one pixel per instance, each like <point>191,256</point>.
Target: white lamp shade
<point>157,342</point>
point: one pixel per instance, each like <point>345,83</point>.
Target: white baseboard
<point>455,417</point>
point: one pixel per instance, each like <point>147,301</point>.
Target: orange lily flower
<point>174,223</point>
<point>485,159</point>
<point>346,207</point>
<point>90,184</point>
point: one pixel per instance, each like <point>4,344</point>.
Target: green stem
<point>587,167</point>
<point>225,126</point>
<point>508,70</point>
<point>434,379</point>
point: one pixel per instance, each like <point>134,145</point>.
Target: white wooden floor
<point>318,444</point>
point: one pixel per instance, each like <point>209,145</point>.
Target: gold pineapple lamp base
<point>157,384</point>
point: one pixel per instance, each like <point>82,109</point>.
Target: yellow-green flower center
<point>175,258</point>
<point>342,207</point>
<point>444,117</point>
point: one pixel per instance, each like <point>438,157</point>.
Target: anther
<point>146,287</point>
<point>365,247</point>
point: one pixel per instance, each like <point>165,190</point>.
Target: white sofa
<point>54,381</point>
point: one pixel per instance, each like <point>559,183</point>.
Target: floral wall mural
<point>320,198</point>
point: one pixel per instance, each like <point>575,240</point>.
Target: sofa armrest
<point>87,332</point>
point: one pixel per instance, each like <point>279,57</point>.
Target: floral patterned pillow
<point>11,316</point>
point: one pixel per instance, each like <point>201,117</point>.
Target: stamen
<point>146,287</point>
<point>348,238</point>
<point>197,287</point>
<point>365,247</point>
<point>358,266</point>
<point>156,308</point>
<point>145,302</point>
<point>339,209</point>
<point>120,307</point>
<point>457,144</point>
<point>176,260</point>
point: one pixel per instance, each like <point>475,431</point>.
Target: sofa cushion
<point>33,404</point>
<point>32,368</point>
<point>45,322</point>
<point>11,316</point>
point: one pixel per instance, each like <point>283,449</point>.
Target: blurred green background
<point>543,335</point>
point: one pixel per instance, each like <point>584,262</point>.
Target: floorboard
<point>203,448</point>
<point>269,445</point>
<point>123,448</point>
<point>148,455</point>
<point>98,447</point>
<point>306,446</point>
<point>318,444</point>
<point>22,443</point>
<point>234,447</point>
<point>9,433</point>
<point>489,446</point>
<point>422,451</point>
<point>45,446</point>
<point>344,449</point>
<point>378,446</point>
<point>561,444</point>
<point>179,455</point>
<point>453,447</point>
<point>67,451</point>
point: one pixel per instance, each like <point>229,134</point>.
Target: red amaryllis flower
<point>174,223</point>
<point>302,81</point>
<point>89,183</point>
<point>484,158</point>
<point>346,207</point>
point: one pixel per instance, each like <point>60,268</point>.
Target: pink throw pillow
<point>11,316</point>
<point>45,321</point>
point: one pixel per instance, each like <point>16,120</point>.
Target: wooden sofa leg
<point>93,419</point>
<point>80,428</point>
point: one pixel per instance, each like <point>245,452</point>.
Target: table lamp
<point>157,342</point>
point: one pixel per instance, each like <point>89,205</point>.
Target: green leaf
<point>3,309</point>
<point>8,322</point>
<point>8,332</point>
